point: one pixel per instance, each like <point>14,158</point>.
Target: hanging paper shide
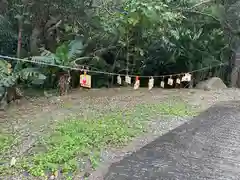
<point>150,83</point>
<point>128,79</point>
<point>162,84</point>
<point>187,77</point>
<point>170,81</point>
<point>119,79</point>
<point>178,81</point>
<point>137,83</point>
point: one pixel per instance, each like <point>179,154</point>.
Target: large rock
<point>213,83</point>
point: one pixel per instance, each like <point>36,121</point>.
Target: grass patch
<point>78,141</point>
<point>6,141</point>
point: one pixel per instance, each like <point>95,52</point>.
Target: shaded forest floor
<point>25,124</point>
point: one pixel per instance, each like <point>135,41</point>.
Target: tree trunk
<point>19,46</point>
<point>235,75</point>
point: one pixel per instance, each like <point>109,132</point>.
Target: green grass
<point>76,140</point>
<point>6,141</point>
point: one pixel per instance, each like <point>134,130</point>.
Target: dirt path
<point>34,117</point>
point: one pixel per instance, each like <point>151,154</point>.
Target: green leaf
<point>3,67</point>
<point>46,57</point>
<point>18,16</point>
<point>8,81</point>
<point>76,48</point>
<point>62,54</point>
<point>2,91</point>
<point>34,73</point>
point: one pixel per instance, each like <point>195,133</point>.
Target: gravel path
<point>206,147</point>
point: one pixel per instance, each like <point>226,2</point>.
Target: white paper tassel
<point>150,83</point>
<point>187,77</point>
<point>183,78</point>
<point>136,85</point>
<point>162,84</point>
<point>127,79</point>
<point>170,81</point>
<point>119,79</point>
<point>178,81</point>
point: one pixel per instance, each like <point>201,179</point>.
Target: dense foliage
<point>133,36</point>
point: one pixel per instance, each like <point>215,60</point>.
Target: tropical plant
<point>10,77</point>
<point>67,54</point>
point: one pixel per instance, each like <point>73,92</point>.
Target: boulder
<point>213,83</point>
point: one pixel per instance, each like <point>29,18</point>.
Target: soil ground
<point>33,117</point>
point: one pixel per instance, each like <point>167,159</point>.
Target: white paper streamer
<point>119,79</point>
<point>187,77</point>
<point>162,84</point>
<point>128,79</point>
<point>170,81</point>
<point>178,81</point>
<point>150,83</point>
<point>136,85</point>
